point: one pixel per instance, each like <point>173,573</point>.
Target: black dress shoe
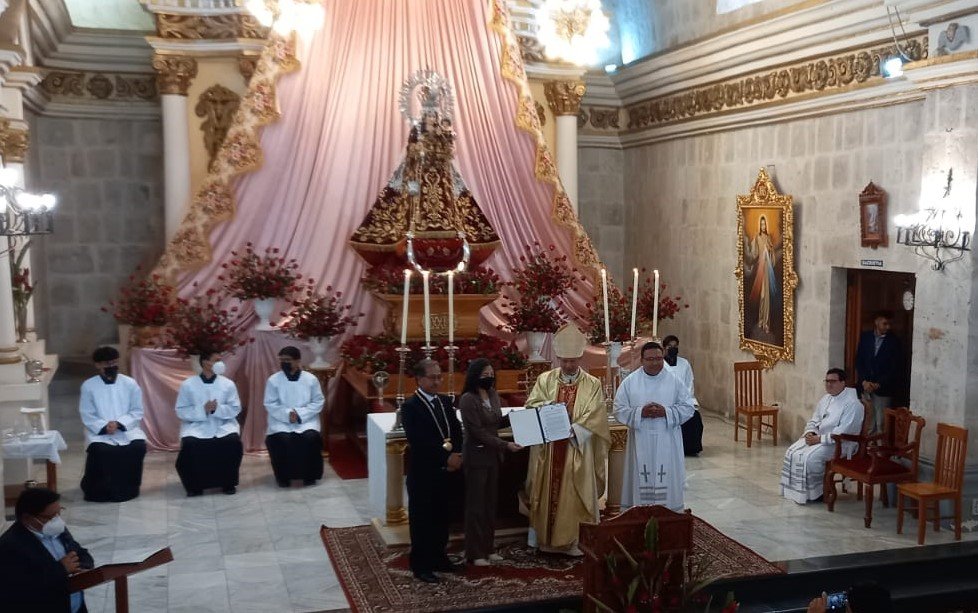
<point>230,490</point>
<point>449,567</point>
<point>192,493</point>
<point>309,482</point>
<point>284,483</point>
<point>427,577</point>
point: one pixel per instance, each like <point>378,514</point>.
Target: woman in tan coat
<point>481,455</point>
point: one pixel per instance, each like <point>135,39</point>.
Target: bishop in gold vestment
<point>565,478</point>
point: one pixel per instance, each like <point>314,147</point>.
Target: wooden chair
<point>675,538</point>
<point>891,456</point>
<point>749,402</point>
<point>864,433</point>
<point>952,447</point>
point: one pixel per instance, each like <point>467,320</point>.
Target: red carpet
<point>346,459</point>
<point>376,578</point>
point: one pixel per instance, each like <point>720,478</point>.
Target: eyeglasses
<point>833,380</point>
<point>47,518</point>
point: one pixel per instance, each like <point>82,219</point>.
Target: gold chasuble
<point>564,479</point>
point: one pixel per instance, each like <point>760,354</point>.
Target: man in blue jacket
<point>879,363</point>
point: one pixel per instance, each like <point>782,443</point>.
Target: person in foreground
<point>293,400</point>
<point>654,404</point>
<point>565,478</point>
<point>37,555</point>
<point>482,453</point>
<point>434,437</point>
<point>679,366</point>
<point>210,443</point>
<point>838,412</point>
<point>869,597</point>
<point>111,407</point>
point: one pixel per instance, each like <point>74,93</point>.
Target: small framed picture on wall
<point>872,216</point>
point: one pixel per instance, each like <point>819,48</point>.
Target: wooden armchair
<point>891,456</point>
<point>675,538</point>
<point>864,433</point>
<point>952,447</point>
<point>749,402</point>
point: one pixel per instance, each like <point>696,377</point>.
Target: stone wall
<point>107,175</point>
<point>690,186</point>
<point>601,205</point>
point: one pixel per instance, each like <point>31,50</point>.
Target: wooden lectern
<point>118,573</point>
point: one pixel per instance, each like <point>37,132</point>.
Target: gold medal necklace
<point>446,435</point>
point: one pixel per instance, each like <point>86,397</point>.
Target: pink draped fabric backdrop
<point>339,139</point>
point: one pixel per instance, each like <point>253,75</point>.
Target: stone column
<point>173,76</point>
<point>13,148</point>
<point>564,98</point>
<point>396,514</point>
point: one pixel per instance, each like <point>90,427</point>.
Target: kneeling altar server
<point>294,399</point>
<point>210,441</point>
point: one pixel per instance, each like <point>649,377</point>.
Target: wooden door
<point>871,291</point>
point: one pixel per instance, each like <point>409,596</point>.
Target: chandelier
<point>937,233</point>
<point>572,30</point>
<point>23,213</point>
<point>286,16</point>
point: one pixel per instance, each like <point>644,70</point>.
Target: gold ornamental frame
<point>766,277</point>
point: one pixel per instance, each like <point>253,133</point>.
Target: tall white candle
<point>604,291</point>
<point>655,308</point>
<point>427,308</point>
<point>451,307</point>
<point>404,307</point>
<point>634,298</point>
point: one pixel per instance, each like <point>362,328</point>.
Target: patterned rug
<point>376,579</point>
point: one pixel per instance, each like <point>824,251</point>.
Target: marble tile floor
<point>259,550</point>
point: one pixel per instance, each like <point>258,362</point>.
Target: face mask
<point>487,383</point>
<point>110,372</point>
<point>286,367</point>
<point>672,352</point>
<point>219,368</point>
<point>54,527</point>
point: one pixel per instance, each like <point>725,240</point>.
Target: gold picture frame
<point>766,277</point>
<point>872,217</point>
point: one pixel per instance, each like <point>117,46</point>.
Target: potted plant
<point>317,318</point>
<point>619,322</point>
<point>20,281</point>
<point>669,306</point>
<point>260,277</point>
<point>141,309</point>
<point>201,324</point>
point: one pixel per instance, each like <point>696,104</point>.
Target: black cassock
<point>209,462</point>
<point>296,455</point>
<point>693,434</point>
<point>433,491</point>
<point>113,473</point>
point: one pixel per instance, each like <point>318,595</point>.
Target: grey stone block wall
<point>108,176</point>
<point>601,206</point>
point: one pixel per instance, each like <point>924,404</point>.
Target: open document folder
<point>540,425</point>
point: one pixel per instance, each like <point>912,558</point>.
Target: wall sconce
<point>23,213</point>
<point>935,233</point>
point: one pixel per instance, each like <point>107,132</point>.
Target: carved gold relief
<point>531,49</point>
<point>13,143</point>
<point>564,97</point>
<point>599,118</point>
<point>64,84</point>
<point>135,87</point>
<point>198,27</point>
<point>246,66</point>
<point>217,105</point>
<point>619,438</point>
<point>174,73</point>
<point>541,113</point>
<point>813,76</point>
<point>766,277</point>
<point>100,86</point>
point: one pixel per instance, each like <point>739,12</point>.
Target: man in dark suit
<point>37,555</point>
<point>879,362</point>
<point>434,437</point>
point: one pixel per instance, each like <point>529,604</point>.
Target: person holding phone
<point>869,597</point>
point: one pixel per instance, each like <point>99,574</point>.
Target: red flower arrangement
<point>647,581</point>
<point>373,353</point>
<point>669,306</point>
<point>252,275</point>
<point>143,301</point>
<point>319,315</point>
<point>201,324</point>
<point>390,280</point>
<point>619,320</point>
<point>542,279</point>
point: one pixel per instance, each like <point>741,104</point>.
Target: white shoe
<point>480,562</point>
<point>495,557</point>
<point>574,552</point>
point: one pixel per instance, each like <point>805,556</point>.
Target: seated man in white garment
<point>654,404</point>
<point>838,412</point>
<point>293,399</point>
<point>111,407</point>
<point>692,427</point>
<point>210,441</point>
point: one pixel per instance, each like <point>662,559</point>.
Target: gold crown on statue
<point>569,342</point>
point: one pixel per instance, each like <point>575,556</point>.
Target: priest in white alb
<point>210,443</point>
<point>838,412</point>
<point>565,478</point>
<point>653,403</point>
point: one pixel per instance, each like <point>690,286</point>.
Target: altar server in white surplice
<point>111,407</point>
<point>653,403</point>
<point>210,440</point>
<point>838,412</point>
<point>294,399</point>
